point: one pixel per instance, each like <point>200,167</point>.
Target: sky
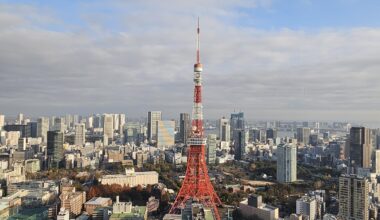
<point>272,59</point>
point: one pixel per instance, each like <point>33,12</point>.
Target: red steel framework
<point>197,185</point>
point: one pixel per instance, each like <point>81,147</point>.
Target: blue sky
<point>273,59</point>
<point>268,15</point>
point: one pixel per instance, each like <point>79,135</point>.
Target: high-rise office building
<point>108,126</point>
<point>20,119</point>
<point>59,125</point>
<point>90,122</point>
<point>121,123</point>
<point>307,205</point>
<point>98,121</point>
<point>42,128</point>
<point>286,163</point>
<point>153,117</point>
<point>31,129</point>
<point>116,124</point>
<point>303,135</point>
<point>237,121</point>
<point>353,197</point>
<point>184,127</point>
<point>360,147</point>
<point>257,135</point>
<point>165,134</point>
<point>2,121</point>
<point>80,134</point>
<point>377,162</point>
<point>211,149</point>
<point>68,120</point>
<point>55,140</point>
<point>224,129</point>
<point>271,133</point>
<point>239,143</point>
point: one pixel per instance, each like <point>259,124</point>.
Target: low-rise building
<point>254,207</point>
<point>131,178</point>
<point>125,211</point>
<point>96,202</point>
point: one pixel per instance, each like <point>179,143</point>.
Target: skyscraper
<point>360,147</point>
<point>20,119</point>
<point>108,126</point>
<point>237,121</point>
<point>31,129</point>
<point>153,117</point>
<point>165,134</point>
<point>239,143</point>
<point>59,125</point>
<point>90,122</point>
<point>55,154</point>
<point>303,135</point>
<point>211,149</point>
<point>271,133</point>
<point>224,129</point>
<point>121,123</point>
<point>377,162</point>
<point>80,134</point>
<point>116,124</point>
<point>184,127</point>
<point>353,197</point>
<point>2,122</point>
<point>42,128</point>
<point>286,163</point>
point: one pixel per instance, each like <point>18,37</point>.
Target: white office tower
<point>286,163</point>
<point>115,122</point>
<point>108,125</point>
<point>20,118</point>
<point>211,149</point>
<point>224,129</point>
<point>307,205</point>
<point>68,120</point>
<point>80,135</point>
<point>90,122</point>
<point>353,197</point>
<point>121,123</point>
<point>59,125</point>
<point>43,128</point>
<point>377,162</point>
<point>2,122</point>
<point>153,117</point>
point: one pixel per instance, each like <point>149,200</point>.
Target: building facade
<point>211,149</point>
<point>153,117</point>
<point>165,134</point>
<point>353,197</point>
<point>286,163</point>
<point>55,140</point>
<point>360,147</point>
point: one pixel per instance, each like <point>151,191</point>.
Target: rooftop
<point>97,201</point>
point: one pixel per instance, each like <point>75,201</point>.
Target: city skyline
<point>122,57</point>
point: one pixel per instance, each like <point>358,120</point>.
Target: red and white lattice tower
<point>197,185</point>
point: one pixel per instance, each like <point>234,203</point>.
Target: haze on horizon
<point>272,59</point>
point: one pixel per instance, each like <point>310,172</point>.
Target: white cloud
<point>282,74</point>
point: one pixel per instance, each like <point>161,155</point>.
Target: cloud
<point>144,62</point>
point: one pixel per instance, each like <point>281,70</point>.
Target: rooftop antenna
<point>198,45</point>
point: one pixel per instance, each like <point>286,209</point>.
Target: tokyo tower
<point>197,185</point>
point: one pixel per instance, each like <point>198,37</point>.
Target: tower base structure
<point>197,185</point>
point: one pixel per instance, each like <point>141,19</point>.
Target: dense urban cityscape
<point>92,166</point>
<point>151,161</point>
